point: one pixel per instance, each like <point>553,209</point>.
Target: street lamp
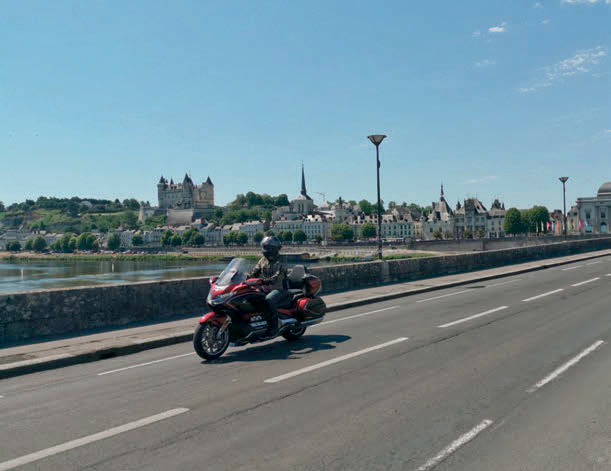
<point>563,180</point>
<point>376,140</point>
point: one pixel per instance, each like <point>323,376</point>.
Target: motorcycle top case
<point>312,308</point>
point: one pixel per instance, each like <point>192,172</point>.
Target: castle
<point>185,195</point>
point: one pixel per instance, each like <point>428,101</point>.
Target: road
<point>510,374</point>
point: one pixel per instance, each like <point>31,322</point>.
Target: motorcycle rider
<point>273,274</point>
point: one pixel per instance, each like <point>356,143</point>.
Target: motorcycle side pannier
<point>312,308</point>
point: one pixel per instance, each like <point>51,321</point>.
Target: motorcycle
<point>239,313</point>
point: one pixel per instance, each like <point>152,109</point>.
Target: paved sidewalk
<point>53,354</point>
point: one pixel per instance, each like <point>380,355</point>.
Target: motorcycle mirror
<point>213,279</point>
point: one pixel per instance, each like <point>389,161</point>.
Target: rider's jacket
<point>272,273</point>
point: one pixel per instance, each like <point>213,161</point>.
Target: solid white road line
<point>475,316</point>
<point>543,295</point>
<point>356,315</point>
<point>317,366</point>
<point>455,445</point>
<point>503,283</point>
<point>572,268</point>
<point>587,281</point>
<point>54,450</point>
<point>145,364</point>
<point>558,371</point>
<point>593,263</point>
<point>445,295</point>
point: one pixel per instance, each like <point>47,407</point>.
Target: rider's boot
<point>272,329</point>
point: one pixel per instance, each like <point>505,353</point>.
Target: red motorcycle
<point>239,312</point>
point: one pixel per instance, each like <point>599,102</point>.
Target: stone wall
<point>53,312</point>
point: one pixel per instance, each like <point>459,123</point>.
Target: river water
<point>47,274</point>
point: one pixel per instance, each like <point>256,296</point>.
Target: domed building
<point>592,215</point>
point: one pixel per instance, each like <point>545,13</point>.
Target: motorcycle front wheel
<point>207,343</point>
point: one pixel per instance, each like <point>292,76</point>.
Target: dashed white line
<point>356,315</point>
<point>145,364</point>
<point>475,316</point>
<point>587,281</point>
<point>608,274</point>
<point>317,366</point>
<point>503,283</point>
<point>445,295</point>
<point>455,445</point>
<point>543,295</point>
<point>558,371</point>
<point>54,450</point>
<point>593,263</point>
<point>572,268</point>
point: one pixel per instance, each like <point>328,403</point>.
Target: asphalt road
<point>511,374</point>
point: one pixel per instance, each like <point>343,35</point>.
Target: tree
<point>467,234</point>
<point>72,207</point>
<point>132,204</point>
<point>2,208</point>
<point>341,232</point>
<point>448,235</point>
<point>513,222</point>
<point>299,236</point>
<point>29,244</point>
<point>258,237</point>
<point>166,236</point>
<point>366,207</point>
<point>188,236</point>
<point>285,236</point>
<point>130,219</point>
<point>230,238</point>
<point>318,238</point>
<point>137,240</point>
<point>13,246</point>
<point>176,240</point>
<point>368,231</point>
<point>114,241</point>
<point>540,217</point>
<point>242,238</point>
<point>39,244</point>
<point>437,234</point>
<point>198,239</point>
<point>480,233</point>
<point>85,241</point>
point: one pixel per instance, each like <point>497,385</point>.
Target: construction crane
<point>324,199</point>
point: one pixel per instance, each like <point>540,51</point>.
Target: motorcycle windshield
<point>234,272</point>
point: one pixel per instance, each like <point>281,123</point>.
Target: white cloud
<point>478,180</point>
<point>538,5</point>
<point>546,21</point>
<point>608,131</point>
<point>476,34</point>
<point>581,63</point>
<point>498,29</point>
<point>485,63</point>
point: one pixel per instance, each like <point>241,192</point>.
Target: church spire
<point>303,185</point>
<point>442,189</point>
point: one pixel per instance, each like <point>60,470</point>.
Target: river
<point>47,274</point>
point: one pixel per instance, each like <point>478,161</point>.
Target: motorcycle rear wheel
<point>206,343</point>
<point>294,334</point>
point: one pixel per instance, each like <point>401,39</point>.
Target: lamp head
<point>376,139</point>
<point>563,179</point>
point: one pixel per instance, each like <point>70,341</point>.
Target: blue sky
<point>494,98</point>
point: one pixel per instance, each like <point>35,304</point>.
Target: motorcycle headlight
<point>219,299</point>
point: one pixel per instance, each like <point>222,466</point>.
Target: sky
<point>496,99</point>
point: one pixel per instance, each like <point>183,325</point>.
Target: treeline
<point>251,199</point>
<point>533,220</point>
<point>75,205</point>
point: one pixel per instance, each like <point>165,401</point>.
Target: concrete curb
<point>59,361</point>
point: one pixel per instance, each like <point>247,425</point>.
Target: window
<point>603,214</point>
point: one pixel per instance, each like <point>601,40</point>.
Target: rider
<point>273,274</point>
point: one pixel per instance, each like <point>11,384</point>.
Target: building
<point>441,218</point>
<point>185,195</point>
<point>297,208</point>
<point>592,213</point>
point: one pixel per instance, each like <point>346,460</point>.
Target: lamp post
<point>376,140</point>
<point>563,180</point>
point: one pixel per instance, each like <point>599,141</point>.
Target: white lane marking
<point>608,274</point>
<point>543,295</point>
<point>475,316</point>
<point>572,268</point>
<point>54,450</point>
<point>307,369</point>
<point>356,315</point>
<point>558,371</point>
<point>587,281</point>
<point>455,445</point>
<point>503,283</point>
<point>593,263</point>
<point>445,295</point>
<point>145,364</point>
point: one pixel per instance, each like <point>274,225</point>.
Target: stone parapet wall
<point>64,311</point>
